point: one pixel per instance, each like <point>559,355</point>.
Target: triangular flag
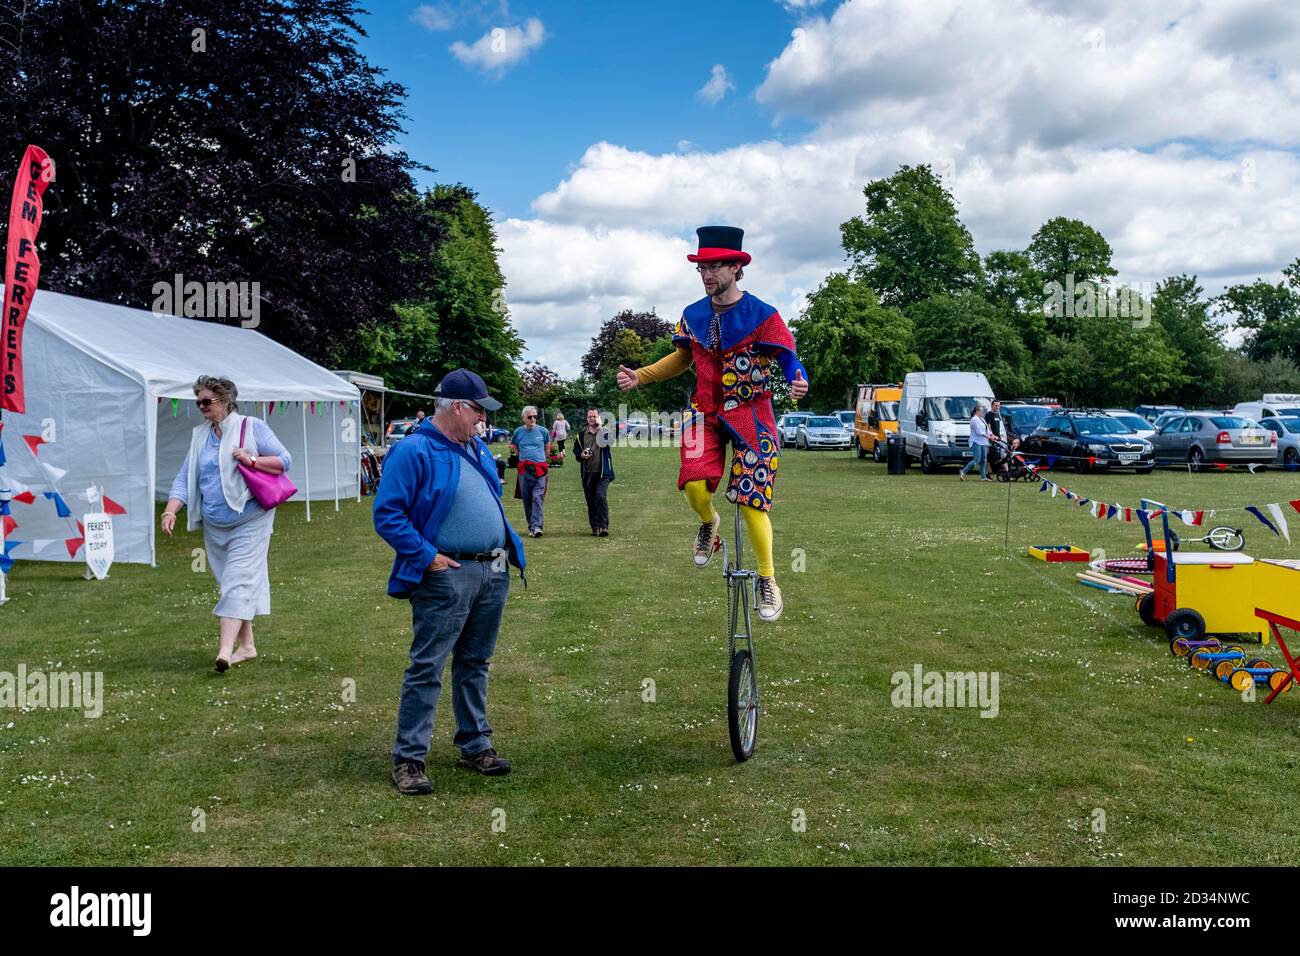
<point>1280,519</point>
<point>33,442</point>
<point>2,454</point>
<point>60,505</point>
<point>1093,509</point>
<point>40,544</point>
<point>111,507</point>
<point>73,545</point>
<point>176,407</point>
<point>9,525</point>
<point>1043,486</point>
<point>55,475</point>
<point>25,496</point>
<point>10,545</point>
<point>1264,521</point>
<point>1296,504</point>
<point>1251,466</point>
<point>1055,488</point>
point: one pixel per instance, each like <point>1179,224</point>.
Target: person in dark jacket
<point>591,448</point>
<point>439,507</point>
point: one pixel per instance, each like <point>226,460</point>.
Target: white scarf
<point>233,486</point>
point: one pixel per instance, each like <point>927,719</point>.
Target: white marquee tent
<point>110,404</point>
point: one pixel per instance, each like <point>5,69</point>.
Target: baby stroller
<point>1006,463</point>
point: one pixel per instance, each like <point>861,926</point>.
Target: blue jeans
<point>981,458</point>
<point>454,612</point>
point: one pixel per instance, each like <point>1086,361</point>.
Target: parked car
<point>1287,430</point>
<point>876,417</point>
<point>789,424</point>
<point>1276,405</point>
<point>846,416</point>
<point>495,434</point>
<point>934,415</point>
<point>397,430</point>
<point>1152,412</point>
<point>822,431</point>
<point>1090,439</point>
<point>1020,419</point>
<point>640,428</point>
<point>1164,418</point>
<point>1202,437</point>
<point>1134,421</point>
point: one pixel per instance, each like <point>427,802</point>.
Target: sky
<point>601,136</point>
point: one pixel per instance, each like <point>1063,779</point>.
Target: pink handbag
<point>269,490</point>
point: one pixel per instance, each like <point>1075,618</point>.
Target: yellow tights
<point>757,523</point>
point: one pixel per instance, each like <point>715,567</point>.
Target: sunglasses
<point>205,402</point>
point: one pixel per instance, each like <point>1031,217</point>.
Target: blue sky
<point>1171,128</point>
<point>626,73</point>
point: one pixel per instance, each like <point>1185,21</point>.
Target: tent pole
<point>334,449</point>
<point>361,421</point>
<point>306,462</point>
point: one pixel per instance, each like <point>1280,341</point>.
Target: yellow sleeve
<point>670,366</point>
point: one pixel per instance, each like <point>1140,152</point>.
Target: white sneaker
<point>770,604</point>
<point>706,542</point>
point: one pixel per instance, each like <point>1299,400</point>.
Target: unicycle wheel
<point>742,706</point>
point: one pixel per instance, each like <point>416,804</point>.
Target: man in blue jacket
<point>439,507</point>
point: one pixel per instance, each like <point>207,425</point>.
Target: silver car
<point>789,425</point>
<point>1201,437</point>
<point>1287,430</point>
<point>1133,420</point>
<point>822,431</point>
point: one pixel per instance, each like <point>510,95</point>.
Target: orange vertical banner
<point>22,270</point>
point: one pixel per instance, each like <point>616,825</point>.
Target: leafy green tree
<point>1014,286</point>
<point>646,325</point>
<point>1246,380</point>
<point>540,386</point>
<point>969,333</point>
<point>910,244</point>
<point>1068,252</point>
<point>845,336</point>
<point>1110,362</point>
<point>1178,308</point>
<point>672,395</point>
<point>1269,312</point>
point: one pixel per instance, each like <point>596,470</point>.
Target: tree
<point>911,245</point>
<point>460,319</point>
<point>231,141</point>
<point>1269,312</point>
<point>969,333</point>
<point>646,325</point>
<point>540,386</point>
<point>1068,252</point>
<point>1109,362</point>
<point>1185,317</point>
<point>845,336</point>
<point>1013,285</point>
<point>1245,380</point>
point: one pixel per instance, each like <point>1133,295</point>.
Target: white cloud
<point>717,87</point>
<point>501,47</point>
<point>1174,135</point>
<point>435,18</point>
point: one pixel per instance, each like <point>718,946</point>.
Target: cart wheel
<point>1240,679</point>
<point>1258,662</point>
<point>1178,647</point>
<point>1146,607</point>
<point>742,706</point>
<point>1223,668</point>
<point>1200,659</point>
<point>1276,679</point>
<point>1185,622</point>
<point>1236,648</point>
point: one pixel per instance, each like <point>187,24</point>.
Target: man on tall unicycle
<point>732,338</point>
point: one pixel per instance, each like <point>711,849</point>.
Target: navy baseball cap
<point>464,384</point>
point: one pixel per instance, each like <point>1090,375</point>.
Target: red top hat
<point>720,244</point>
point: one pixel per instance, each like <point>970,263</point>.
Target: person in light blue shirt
<point>531,443</point>
<point>236,529</point>
<point>979,444</point>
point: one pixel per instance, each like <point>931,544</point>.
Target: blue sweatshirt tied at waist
<point>418,486</point>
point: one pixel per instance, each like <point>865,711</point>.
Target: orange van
<point>876,416</point>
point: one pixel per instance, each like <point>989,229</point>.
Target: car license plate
<point>1252,439</point>
<point>968,454</point>
<point>1129,456</point>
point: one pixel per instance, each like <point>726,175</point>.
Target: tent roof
<point>167,353</point>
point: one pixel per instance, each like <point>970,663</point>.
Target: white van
<point>934,416</point>
<point>1276,405</point>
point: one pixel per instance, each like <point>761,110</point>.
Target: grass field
<point>1094,713</point>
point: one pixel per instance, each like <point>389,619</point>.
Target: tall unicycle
<point>742,683</point>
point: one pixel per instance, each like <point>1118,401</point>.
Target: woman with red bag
<point>231,456</point>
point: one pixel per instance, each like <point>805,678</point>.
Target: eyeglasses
<point>712,266</point>
<point>529,417</point>
<point>204,402</point>
<point>474,405</point>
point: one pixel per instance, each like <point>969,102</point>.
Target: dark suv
<point>1088,438</point>
<point>1021,418</point>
